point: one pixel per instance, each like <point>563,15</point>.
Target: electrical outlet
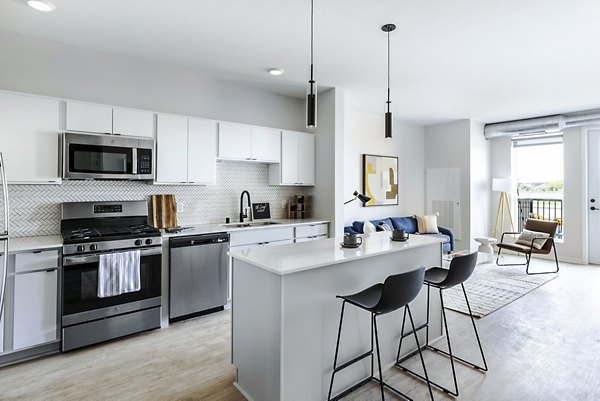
<point>283,203</point>
<point>181,207</point>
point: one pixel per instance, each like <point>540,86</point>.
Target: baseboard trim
<point>545,257</point>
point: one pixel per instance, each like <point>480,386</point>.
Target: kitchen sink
<point>251,224</point>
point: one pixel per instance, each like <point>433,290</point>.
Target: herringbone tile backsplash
<point>35,209</point>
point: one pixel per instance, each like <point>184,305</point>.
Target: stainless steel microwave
<point>106,157</point>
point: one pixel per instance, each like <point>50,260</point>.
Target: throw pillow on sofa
<point>383,227</point>
<point>368,227</point>
<point>427,224</point>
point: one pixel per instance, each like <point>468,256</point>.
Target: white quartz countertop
<point>293,258</point>
<point>219,228</point>
<point>21,244</point>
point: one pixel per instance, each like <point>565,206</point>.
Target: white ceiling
<point>490,60</point>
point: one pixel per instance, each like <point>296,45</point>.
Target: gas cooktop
<point>74,235</point>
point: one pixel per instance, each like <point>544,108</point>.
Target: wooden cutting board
<point>164,211</point>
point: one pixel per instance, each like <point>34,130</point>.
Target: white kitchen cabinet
<point>2,315</point>
<point>88,117</point>
<point>133,122</point>
<point>297,166</point>
<point>29,128</point>
<point>35,308</point>
<point>289,157</point>
<point>306,158</point>
<point>266,144</point>
<point>202,151</point>
<point>235,141</point>
<point>172,141</point>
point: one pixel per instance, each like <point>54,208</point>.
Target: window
<point>538,170</point>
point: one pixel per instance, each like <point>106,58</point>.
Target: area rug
<point>491,287</point>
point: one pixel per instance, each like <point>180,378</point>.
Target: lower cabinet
<point>30,316</point>
<point>35,308</point>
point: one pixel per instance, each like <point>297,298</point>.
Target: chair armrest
<point>508,232</point>
<point>539,238</point>
<point>449,233</point>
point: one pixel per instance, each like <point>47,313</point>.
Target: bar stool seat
<point>435,275</point>
<point>366,299</point>
<point>396,292</point>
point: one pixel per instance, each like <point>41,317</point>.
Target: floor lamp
<point>504,186</point>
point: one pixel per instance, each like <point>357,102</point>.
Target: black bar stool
<point>461,268</point>
<point>396,292</point>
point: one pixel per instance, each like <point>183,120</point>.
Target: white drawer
<point>29,261</point>
<point>259,236</point>
<point>311,238</point>
<point>311,230</point>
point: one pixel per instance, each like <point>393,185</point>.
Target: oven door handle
<point>79,260</point>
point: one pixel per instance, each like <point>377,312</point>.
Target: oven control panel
<point>116,208</point>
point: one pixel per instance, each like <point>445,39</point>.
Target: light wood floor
<point>545,346</point>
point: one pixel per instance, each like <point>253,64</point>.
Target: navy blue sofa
<point>408,224</point>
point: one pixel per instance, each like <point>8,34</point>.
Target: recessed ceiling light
<point>41,5</point>
<point>275,71</point>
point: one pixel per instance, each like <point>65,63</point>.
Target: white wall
<point>364,134</point>
<point>574,247</point>
<point>49,68</point>
<point>448,145</point>
<point>327,194</point>
<point>480,184</point>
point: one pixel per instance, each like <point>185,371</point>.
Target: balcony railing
<point>541,209</point>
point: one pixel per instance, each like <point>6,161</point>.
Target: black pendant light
<point>388,114</point>
<point>311,89</point>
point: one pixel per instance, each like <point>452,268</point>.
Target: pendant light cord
<point>311,40</point>
<point>388,68</point>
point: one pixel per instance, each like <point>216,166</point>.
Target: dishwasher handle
<point>196,240</point>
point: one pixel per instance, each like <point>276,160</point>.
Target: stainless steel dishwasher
<point>198,278</point>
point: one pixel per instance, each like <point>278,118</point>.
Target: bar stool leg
<point>455,393</point>
<point>401,335</point>
<point>374,319</point>
<point>337,348</point>
<point>427,322</point>
<point>485,367</point>
<point>412,323</point>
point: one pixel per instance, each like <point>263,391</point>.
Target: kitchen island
<point>285,314</point>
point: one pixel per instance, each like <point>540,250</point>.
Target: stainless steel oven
<point>101,156</point>
<point>92,230</point>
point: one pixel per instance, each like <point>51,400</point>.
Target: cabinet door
<point>235,141</point>
<point>266,144</point>
<point>202,151</point>
<point>133,122</point>
<point>289,157</point>
<point>29,138</point>
<point>306,158</point>
<point>89,117</point>
<point>35,308</point>
<point>171,141</point>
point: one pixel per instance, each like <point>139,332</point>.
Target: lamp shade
<point>361,197</point>
<point>502,185</point>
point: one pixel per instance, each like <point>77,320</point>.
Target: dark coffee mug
<point>399,235</point>
<point>352,239</point>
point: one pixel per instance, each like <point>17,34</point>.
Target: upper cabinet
<point>103,119</point>
<point>202,151</point>
<point>244,142</point>
<point>88,117</point>
<point>297,166</point>
<point>29,128</point>
<point>235,141</point>
<point>186,150</point>
<point>133,122</point>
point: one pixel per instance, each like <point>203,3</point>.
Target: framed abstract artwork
<point>380,180</point>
